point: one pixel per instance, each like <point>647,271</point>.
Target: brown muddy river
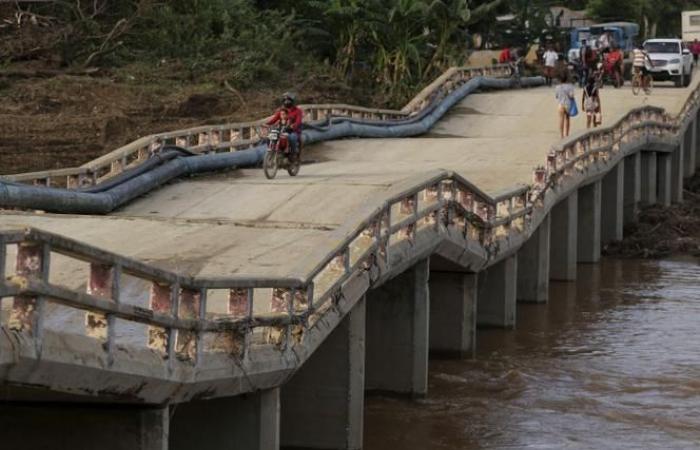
<point>612,362</point>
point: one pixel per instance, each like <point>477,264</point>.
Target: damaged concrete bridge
<point>226,311</point>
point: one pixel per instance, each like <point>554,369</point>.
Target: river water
<point>611,362</point>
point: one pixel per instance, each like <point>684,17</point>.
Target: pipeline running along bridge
<point>229,311</point>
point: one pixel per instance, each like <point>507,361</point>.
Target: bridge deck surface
<point>239,222</point>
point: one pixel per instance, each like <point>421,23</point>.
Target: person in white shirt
<point>550,59</point>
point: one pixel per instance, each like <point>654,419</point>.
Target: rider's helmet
<point>288,99</point>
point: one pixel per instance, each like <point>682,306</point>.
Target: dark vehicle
<point>279,155</point>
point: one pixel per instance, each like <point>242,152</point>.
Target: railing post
<point>161,299</point>
<point>100,284</point>
<point>28,311</point>
<point>189,301</point>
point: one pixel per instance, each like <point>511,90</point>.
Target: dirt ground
<point>52,118</point>
<point>663,231</point>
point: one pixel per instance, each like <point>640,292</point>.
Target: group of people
<point>564,93</point>
<point>592,65</point>
<point>567,106</point>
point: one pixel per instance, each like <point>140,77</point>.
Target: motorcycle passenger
<point>294,116</point>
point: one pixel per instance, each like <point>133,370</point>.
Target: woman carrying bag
<point>566,105</point>
<point>590,103</point>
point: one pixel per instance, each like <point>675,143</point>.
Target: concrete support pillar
<point>677,172</point>
<point>611,210</point>
<point>696,148</point>
<point>398,314</point>
<point>533,266</point>
<point>453,313</point>
<point>563,245</point>
<point>633,187</point>
<point>589,204</point>
<point>648,190</point>
<point>690,152</point>
<point>497,294</point>
<point>249,421</point>
<point>323,403</point>
<point>62,426</point>
<point>663,178</point>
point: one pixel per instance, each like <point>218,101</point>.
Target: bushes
<point>393,45</point>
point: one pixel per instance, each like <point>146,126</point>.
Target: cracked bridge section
<point>225,283</point>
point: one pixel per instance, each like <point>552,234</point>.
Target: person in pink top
<point>695,50</point>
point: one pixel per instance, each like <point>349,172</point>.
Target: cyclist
<point>640,60</point>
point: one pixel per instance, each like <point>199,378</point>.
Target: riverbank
<point>53,118</point>
<point>664,231</point>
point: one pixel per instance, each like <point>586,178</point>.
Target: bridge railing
<point>239,136</point>
<point>187,317</point>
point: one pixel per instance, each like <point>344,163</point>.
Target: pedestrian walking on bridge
<point>566,103</point>
<point>590,103</point>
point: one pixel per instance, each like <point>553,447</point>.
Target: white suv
<point>671,60</point>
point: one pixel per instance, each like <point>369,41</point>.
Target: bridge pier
<point>533,265</point>
<point>453,298</point>
<point>690,153</point>
<point>677,173</point>
<point>564,239</point>
<point>398,333</point>
<point>611,211</point>
<point>649,176</point>
<point>496,294</point>
<point>664,178</point>
<point>249,421</point>
<point>696,146</point>
<point>323,403</point>
<point>67,426</point>
<point>633,187</point>
<point>589,205</point>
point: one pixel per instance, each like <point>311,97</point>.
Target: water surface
<point>613,361</point>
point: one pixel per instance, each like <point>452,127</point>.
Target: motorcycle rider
<point>294,119</point>
<point>615,59</point>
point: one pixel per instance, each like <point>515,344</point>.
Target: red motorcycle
<point>279,154</point>
<point>612,69</point>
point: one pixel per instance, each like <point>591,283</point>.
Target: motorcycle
<point>279,154</point>
<point>610,72</point>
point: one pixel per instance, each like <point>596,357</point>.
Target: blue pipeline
<point>175,162</point>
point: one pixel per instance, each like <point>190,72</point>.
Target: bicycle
<point>638,82</point>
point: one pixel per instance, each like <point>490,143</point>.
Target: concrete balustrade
<point>382,342</point>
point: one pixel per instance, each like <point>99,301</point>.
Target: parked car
<point>671,60</point>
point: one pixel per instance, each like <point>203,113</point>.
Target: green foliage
<point>397,45</point>
<point>400,44</point>
<point>658,18</point>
